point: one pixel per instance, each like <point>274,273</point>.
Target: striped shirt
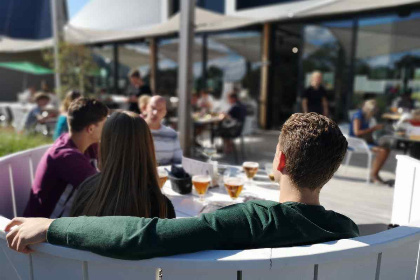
<point>167,147</point>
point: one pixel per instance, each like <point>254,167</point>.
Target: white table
<point>189,205</point>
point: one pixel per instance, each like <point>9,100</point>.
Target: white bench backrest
<point>406,205</point>
<point>387,255</point>
<point>16,175</point>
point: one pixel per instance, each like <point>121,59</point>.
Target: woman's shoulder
<point>91,180</point>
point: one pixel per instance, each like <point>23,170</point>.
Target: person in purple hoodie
<point>68,162</point>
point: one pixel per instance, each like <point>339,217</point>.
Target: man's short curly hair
<point>314,148</point>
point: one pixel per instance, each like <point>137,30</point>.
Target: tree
<point>77,66</point>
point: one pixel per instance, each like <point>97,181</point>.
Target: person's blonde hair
<point>70,97</point>
<point>143,100</point>
<point>129,176</point>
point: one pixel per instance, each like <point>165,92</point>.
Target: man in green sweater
<point>310,149</point>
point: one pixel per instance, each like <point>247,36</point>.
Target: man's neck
<point>290,193</point>
<point>81,141</point>
<point>154,125</point>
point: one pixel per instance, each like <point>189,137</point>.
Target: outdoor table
<point>217,197</point>
<point>413,145</point>
<point>391,116</point>
<point>212,122</point>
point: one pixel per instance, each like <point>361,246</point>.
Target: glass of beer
<point>201,184</point>
<point>250,169</point>
<point>269,170</point>
<point>163,176</point>
<point>234,186</point>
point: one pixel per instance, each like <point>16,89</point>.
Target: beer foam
<point>250,164</point>
<point>201,178</point>
<point>234,181</point>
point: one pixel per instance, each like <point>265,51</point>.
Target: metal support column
<point>56,39</point>
<point>204,62</point>
<point>185,77</point>
<point>116,68</point>
<point>266,37</point>
<point>352,66</point>
<point>153,64</point>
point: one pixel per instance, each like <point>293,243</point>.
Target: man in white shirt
<point>167,147</point>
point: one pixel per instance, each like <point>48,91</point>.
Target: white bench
<point>406,205</point>
<point>16,176</point>
<point>387,255</point>
<point>392,254</point>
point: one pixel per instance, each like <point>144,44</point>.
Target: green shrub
<point>11,142</point>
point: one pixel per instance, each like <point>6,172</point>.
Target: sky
<point>74,6</point>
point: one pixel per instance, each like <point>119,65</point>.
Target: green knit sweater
<point>255,224</point>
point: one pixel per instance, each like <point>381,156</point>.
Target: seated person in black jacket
<point>232,122</point>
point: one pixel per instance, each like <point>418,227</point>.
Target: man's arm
<point>141,238</point>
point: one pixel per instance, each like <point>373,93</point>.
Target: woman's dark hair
<point>128,166</point>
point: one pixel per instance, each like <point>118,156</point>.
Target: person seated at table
<point>360,127</point>
<point>143,101</point>
<point>68,162</point>
<point>205,102</point>
<point>404,102</point>
<point>35,115</point>
<point>314,98</point>
<point>28,96</point>
<point>310,150</point>
<point>127,184</point>
<point>167,147</point>
<point>61,126</point>
<point>136,88</point>
<point>232,122</point>
<point>54,99</point>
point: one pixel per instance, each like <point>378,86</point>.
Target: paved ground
<point>368,205</point>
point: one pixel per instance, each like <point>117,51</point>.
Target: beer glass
<point>163,176</point>
<point>234,186</point>
<point>269,170</point>
<point>201,184</point>
<point>250,169</point>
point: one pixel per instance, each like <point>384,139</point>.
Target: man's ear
<point>90,128</point>
<point>282,162</point>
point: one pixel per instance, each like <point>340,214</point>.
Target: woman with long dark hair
<point>127,184</point>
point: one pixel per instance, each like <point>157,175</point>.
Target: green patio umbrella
<point>26,68</point>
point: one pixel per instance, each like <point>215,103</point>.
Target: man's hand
<point>28,231</point>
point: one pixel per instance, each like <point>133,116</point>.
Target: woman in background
<point>127,184</point>
<point>360,127</point>
<point>61,126</point>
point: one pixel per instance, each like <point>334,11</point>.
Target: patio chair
<point>358,146</point>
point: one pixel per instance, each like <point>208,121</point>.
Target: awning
<point>206,21</point>
<point>382,39</point>
<point>19,45</point>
